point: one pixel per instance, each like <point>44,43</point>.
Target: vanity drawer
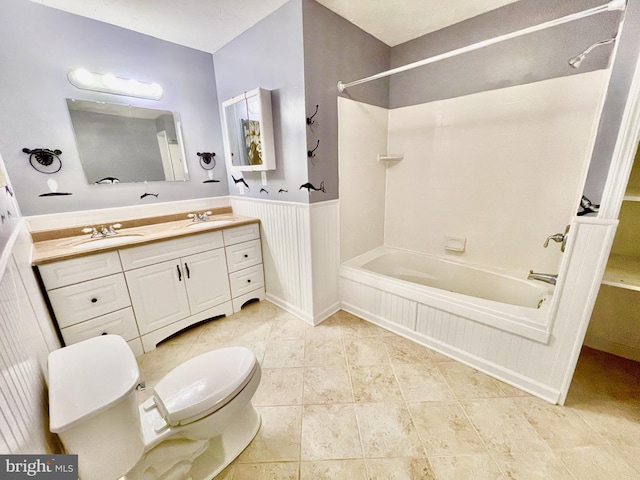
<point>121,323</point>
<point>241,234</point>
<point>243,255</point>
<point>76,270</point>
<point>246,280</point>
<point>144,255</point>
<point>82,301</point>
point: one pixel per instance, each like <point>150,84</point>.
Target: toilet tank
<point>93,405</point>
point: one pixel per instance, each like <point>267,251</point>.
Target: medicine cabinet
<point>248,131</point>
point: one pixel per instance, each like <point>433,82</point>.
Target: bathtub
<point>374,284</point>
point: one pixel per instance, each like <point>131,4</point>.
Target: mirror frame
<point>266,131</point>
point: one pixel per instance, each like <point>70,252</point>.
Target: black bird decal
<point>240,180</point>
<point>282,190</point>
<point>149,195</point>
<point>263,190</point>
<point>309,187</point>
<point>107,180</point>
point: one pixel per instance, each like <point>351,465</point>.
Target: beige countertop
<point>54,245</point>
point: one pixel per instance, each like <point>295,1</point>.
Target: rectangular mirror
<point>121,143</point>
<point>248,131</point>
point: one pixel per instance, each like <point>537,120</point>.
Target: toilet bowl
<point>199,418</point>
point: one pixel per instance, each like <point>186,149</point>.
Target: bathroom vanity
<point>148,282</point>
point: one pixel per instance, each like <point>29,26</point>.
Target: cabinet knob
<point>94,300</point>
<point>249,280</point>
<point>246,255</point>
<point>103,333</point>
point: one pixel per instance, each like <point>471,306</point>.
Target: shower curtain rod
<point>612,5</point>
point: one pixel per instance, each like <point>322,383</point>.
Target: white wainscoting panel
<point>286,252</point>
<point>325,257</point>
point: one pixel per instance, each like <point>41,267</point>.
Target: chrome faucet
<point>559,238</point>
<point>200,216</point>
<point>103,232</point>
<point>543,277</point>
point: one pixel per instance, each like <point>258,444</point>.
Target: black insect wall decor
<point>282,190</point>
<point>240,180</point>
<point>148,195</point>
<point>264,190</point>
<point>310,187</point>
<point>44,160</point>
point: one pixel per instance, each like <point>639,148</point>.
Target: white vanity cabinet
<point>146,293</point>
<point>89,297</point>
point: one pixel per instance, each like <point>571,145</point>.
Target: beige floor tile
<point>279,386</point>
<point>323,352</point>
<point>466,382</point>
<point>401,350</point>
<point>421,382</point>
<point>468,467</point>
<point>221,329</point>
<point>533,466</point>
<point>227,473</point>
<point>616,418</point>
<point>366,351</point>
<point>164,358</point>
<point>374,383</point>
<point>330,432</point>
<point>288,328</point>
<point>445,429</point>
<point>253,331</point>
<point>326,385</point>
<point>590,377</point>
<point>631,455</point>
<point>284,353</point>
<point>259,311</point>
<point>278,439</point>
<point>267,471</point>
<point>333,470</point>
<point>597,463</point>
<point>503,426</point>
<point>387,431</point>
<point>560,427</point>
<point>399,469</point>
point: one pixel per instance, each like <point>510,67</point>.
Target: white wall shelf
<point>623,271</point>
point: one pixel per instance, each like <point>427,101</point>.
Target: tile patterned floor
<point>349,400</point>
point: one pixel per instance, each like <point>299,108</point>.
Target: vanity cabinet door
<point>206,280</point>
<point>158,295</point>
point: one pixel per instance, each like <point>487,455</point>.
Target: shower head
<point>577,60</point>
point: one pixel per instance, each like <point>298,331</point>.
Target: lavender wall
<point>38,47</point>
<point>270,55</point>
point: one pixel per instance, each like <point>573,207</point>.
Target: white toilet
<point>198,420</point>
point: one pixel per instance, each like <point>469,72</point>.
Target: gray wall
<point>270,55</point>
<point>529,58</point>
<point>38,47</point>
<point>335,49</point>
<point>622,72</point>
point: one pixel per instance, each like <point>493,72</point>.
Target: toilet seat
<point>204,384</point>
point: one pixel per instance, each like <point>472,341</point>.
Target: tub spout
<point>543,277</point>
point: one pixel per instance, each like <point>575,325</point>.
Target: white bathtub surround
<point>503,168</point>
<point>362,136</point>
<point>300,254</point>
<point>535,353</point>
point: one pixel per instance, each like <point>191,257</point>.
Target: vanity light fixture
<point>109,83</point>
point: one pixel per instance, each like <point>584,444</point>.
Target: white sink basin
<point>107,241</point>
<point>208,223</point>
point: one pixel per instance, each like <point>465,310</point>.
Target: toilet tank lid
<point>204,384</point>
<point>87,378</point>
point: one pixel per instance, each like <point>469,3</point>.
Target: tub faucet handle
<point>559,238</point>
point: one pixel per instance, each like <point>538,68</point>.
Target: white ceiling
<point>207,25</point>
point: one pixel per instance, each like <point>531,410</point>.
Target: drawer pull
<point>246,255</point>
<point>94,300</point>
<point>186,267</point>
<point>179,273</point>
<point>248,280</point>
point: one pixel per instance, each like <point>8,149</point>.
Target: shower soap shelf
<point>390,157</point>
